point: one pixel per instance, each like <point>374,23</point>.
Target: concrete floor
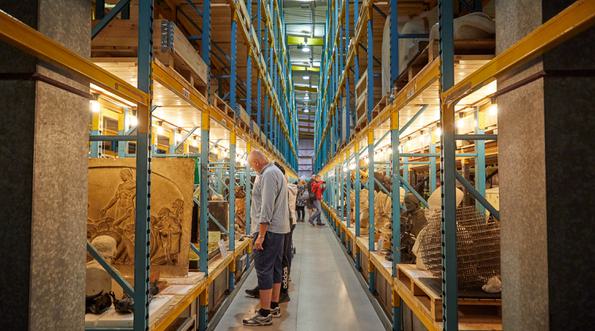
<point>325,293</point>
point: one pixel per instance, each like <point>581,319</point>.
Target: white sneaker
<point>258,320</point>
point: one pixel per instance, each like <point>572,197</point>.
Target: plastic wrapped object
<point>476,25</point>
<point>435,199</point>
<point>408,47</point>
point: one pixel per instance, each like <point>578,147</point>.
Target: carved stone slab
<point>112,201</point>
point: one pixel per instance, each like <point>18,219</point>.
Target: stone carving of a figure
<point>168,229</point>
<point>123,200</point>
<point>122,206</point>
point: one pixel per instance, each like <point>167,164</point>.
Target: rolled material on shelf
<point>474,26</point>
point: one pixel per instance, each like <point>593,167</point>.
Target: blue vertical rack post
<point>356,57</point>
<point>247,175</point>
<point>204,213</point>
<point>396,213</point>
<point>395,171</point>
<point>266,115</point>
<point>370,107</point>
<point>123,145</point>
<point>348,193</point>
<point>347,92</point>
<point>480,161</point>
<point>232,203</point>
<point>371,227</point>
<point>432,172</point>
<point>232,145</point>
<point>248,198</point>
<point>448,169</point>
<point>259,119</point>
<point>204,169</point>
<point>143,170</point>
<point>357,208</point>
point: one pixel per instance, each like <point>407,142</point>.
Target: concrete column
<point>546,192</point>
<point>44,146</point>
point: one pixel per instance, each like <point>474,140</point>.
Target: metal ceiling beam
<point>305,68</point>
<point>299,40</point>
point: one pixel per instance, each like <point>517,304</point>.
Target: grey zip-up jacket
<point>270,201</point>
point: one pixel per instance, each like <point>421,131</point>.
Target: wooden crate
<point>427,52</point>
<point>255,130</point>
<point>414,281</point>
<point>244,116</point>
<point>170,46</point>
<point>176,51</point>
<point>361,102</point>
<point>223,106</point>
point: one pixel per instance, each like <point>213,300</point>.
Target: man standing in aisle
<point>287,244</point>
<point>269,214</point>
<point>318,187</point>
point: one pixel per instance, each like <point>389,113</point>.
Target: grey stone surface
<point>521,161</point>
<point>45,153</point>
<point>546,144</point>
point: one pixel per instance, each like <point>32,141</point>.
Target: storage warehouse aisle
<point>325,292</point>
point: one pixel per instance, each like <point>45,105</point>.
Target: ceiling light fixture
<point>460,123</point>
<point>306,77</point>
<point>306,49</point>
<point>493,110</point>
<point>95,106</point>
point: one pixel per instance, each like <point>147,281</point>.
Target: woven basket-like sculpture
<point>478,247</point>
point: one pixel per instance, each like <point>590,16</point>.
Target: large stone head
<point>106,246</point>
<point>411,202</point>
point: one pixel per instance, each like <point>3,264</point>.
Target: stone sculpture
<point>112,211</point>
<point>97,279</point>
<point>240,222</point>
<point>413,220</point>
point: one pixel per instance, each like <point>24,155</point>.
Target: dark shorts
<point>269,261</point>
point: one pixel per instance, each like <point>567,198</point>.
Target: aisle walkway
<point>325,293</point>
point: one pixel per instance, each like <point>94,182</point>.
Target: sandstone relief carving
<point>112,210</point>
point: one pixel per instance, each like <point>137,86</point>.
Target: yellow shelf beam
<point>568,23</point>
<point>32,41</point>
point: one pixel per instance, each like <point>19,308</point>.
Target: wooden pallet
<point>361,102</point>
<point>416,283</point>
<point>170,46</point>
<point>428,51</point>
<point>223,106</point>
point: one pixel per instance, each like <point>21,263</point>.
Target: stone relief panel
<point>112,205</point>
